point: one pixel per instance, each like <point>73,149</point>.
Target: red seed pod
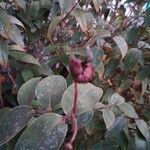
<point>88,71</point>
<point>75,66</point>
<point>82,71</point>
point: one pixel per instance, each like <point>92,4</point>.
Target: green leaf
<point>115,128</point>
<point>24,57</point>
<point>128,110</point>
<point>125,85</point>
<point>143,73</point>
<point>81,51</point>
<point>10,30</point>
<point>3,54</point>
<point>101,34</point>
<point>100,69</point>
<point>49,91</point>
<point>56,20</point>
<point>44,69</point>
<point>4,111</point>
<point>46,4</point>
<point>111,67</point>
<point>122,140</point>
<point>142,44</point>
<point>4,147</point>
<point>16,47</point>
<point>14,20</point>
<point>143,127</point>
<point>26,92</point>
<point>16,36</point>
<point>99,105</point>
<point>141,143</point>
<point>116,99</point>
<point>97,56</point>
<point>90,127</point>
<point>34,8</point>
<point>88,96</point>
<point>84,118</point>
<point>108,116</point>
<point>131,59</point>
<point>122,44</point>
<point>27,74</point>
<point>66,6</point>
<point>85,19</point>
<point>13,122</point>
<point>147,113</point>
<point>55,138</point>
<point>107,95</point>
<point>46,132</point>
<point>51,48</point>
<point>105,145</point>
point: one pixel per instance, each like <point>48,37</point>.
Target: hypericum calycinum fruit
<point>82,71</point>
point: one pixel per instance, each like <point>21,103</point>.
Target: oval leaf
<point>16,36</point>
<point>14,20</point>
<point>49,91</point>
<point>85,19</point>
<point>131,59</point>
<point>111,67</point>
<point>26,92</point>
<point>46,131</point>
<point>13,122</point>
<point>88,96</point>
<point>116,99</point>
<point>100,69</point>
<point>116,127</point>
<point>66,6</point>
<point>122,44</point>
<point>143,127</point>
<point>4,111</point>
<point>27,74</point>
<point>24,57</point>
<point>109,117</point>
<point>105,145</point>
<point>128,110</point>
<point>84,118</point>
<point>55,138</point>
<point>125,85</point>
<point>54,23</point>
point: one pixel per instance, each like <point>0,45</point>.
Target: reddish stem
<point>74,111</point>
<point>74,120</point>
<point>75,129</point>
<point>12,79</point>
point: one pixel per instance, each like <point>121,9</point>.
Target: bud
<point>82,71</point>
<point>75,66</point>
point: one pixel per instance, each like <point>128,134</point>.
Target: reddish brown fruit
<point>82,71</point>
<point>75,66</point>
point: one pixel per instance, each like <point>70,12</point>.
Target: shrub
<point>74,74</point>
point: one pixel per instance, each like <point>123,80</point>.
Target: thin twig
<point>12,79</point>
<point>64,18</point>
<point>75,98</point>
<point>73,117</point>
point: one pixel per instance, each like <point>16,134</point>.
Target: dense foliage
<point>47,47</point>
